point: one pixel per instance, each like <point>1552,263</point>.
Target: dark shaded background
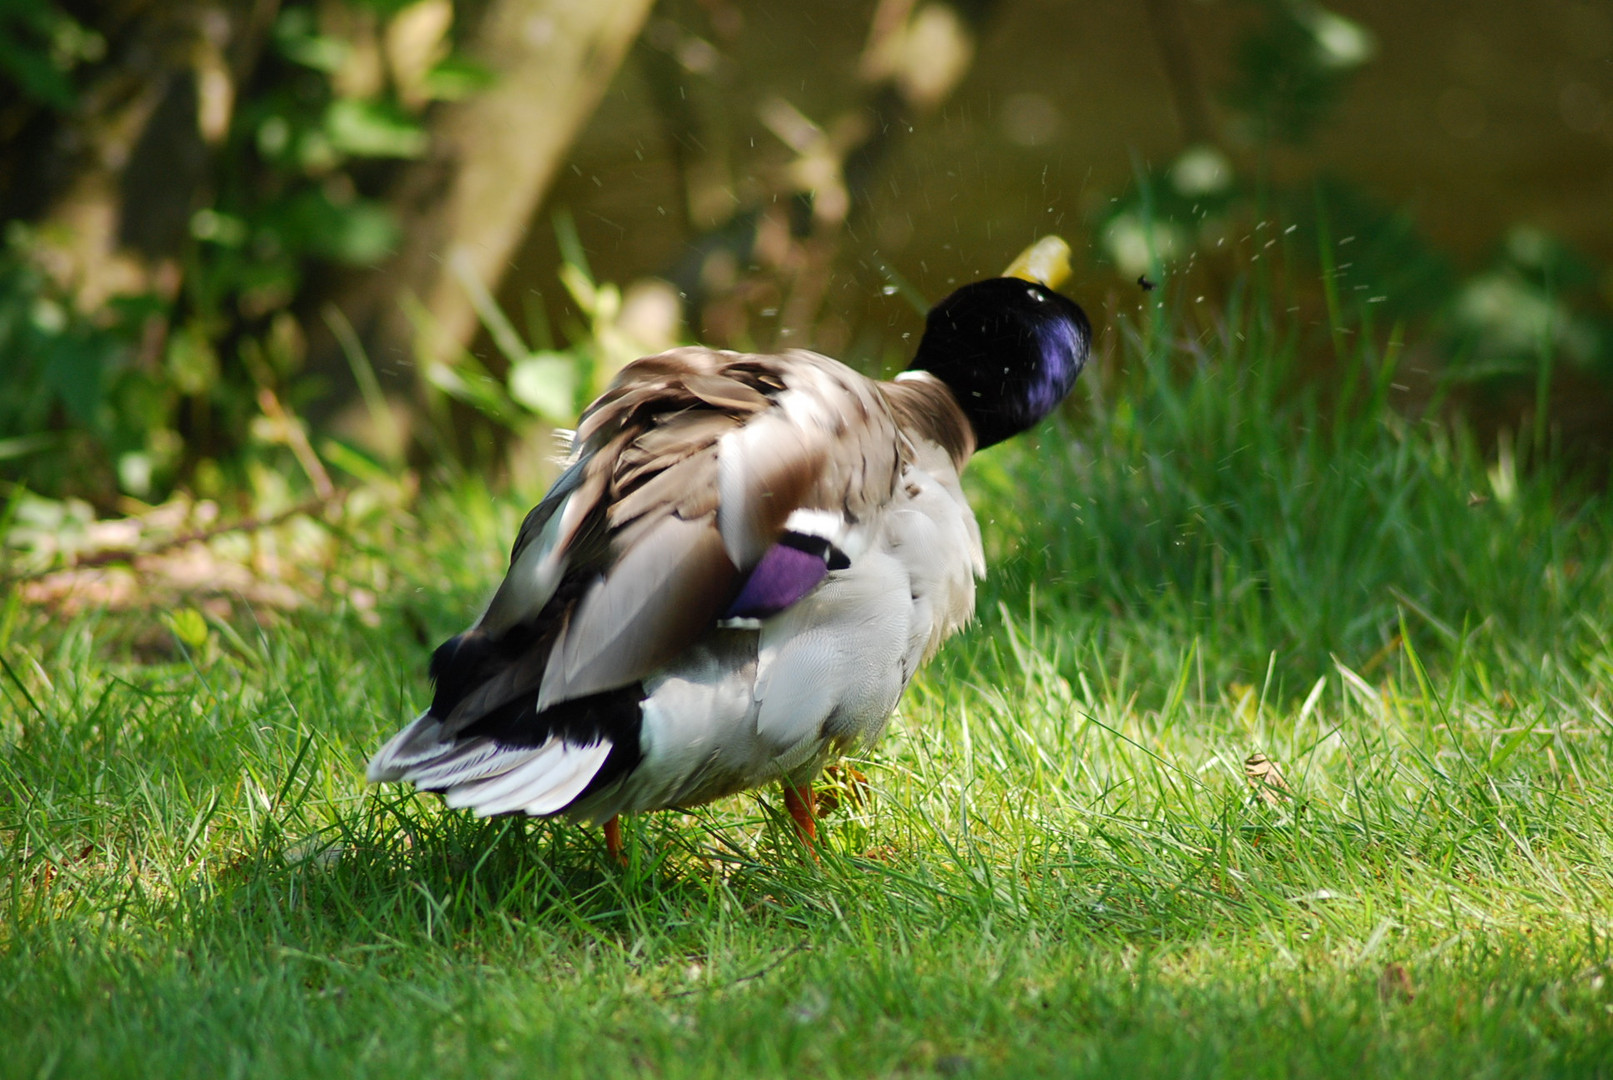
<point>1472,117</point>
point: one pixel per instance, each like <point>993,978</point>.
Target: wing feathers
<point>564,784</point>
<point>725,393</point>
<point>486,777</point>
<point>657,598</point>
<point>670,489</point>
<point>544,781</point>
<point>416,742</point>
<point>764,472</point>
<point>491,795</point>
<point>421,755</point>
<point>534,574</point>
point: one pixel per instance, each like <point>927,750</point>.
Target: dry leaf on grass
<point>1267,780</point>
<point>186,552</point>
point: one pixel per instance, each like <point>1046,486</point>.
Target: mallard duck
<point>742,565</point>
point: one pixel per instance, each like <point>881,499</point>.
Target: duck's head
<point>1009,349</point>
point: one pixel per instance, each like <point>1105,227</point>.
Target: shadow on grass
<point>400,871</point>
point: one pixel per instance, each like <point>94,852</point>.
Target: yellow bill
<point>1047,261</point>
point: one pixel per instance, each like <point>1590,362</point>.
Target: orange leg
<point>802,803</point>
<point>613,840</point>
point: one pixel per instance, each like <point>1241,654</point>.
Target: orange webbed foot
<point>802,804</point>
<point>613,840</point>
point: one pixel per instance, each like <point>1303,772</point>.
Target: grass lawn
<point>1058,867</point>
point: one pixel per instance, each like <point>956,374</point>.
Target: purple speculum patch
<point>783,576</point>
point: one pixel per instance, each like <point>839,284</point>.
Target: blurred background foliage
<point>248,242</point>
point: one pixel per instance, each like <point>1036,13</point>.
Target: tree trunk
<point>466,206</point>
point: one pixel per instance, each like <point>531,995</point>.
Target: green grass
<point>1060,869</point>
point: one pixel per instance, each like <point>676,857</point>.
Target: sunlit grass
<point>1058,866</point>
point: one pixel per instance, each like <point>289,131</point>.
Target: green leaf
<point>40,46</point>
<point>75,369</point>
<point>135,471</point>
<point>33,73</point>
<point>23,445</point>
<point>468,382</point>
<point>189,627</point>
<point>192,363</point>
<point>361,466</point>
<point>353,231</point>
<point>212,226</point>
<point>386,8</point>
<point>456,78</point>
<point>546,383</point>
<point>372,129</point>
<point>362,233</point>
<point>301,43</point>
